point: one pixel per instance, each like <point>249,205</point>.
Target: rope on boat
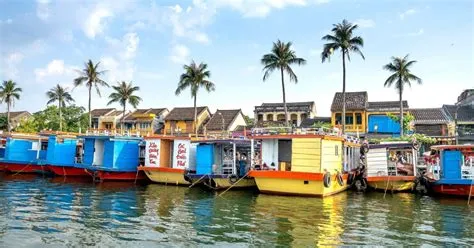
<point>18,172</point>
<point>470,193</point>
<point>136,176</point>
<point>386,188</point>
<point>64,172</point>
<point>190,186</point>
<point>235,183</point>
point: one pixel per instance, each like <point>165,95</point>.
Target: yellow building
<point>356,111</point>
<point>147,121</point>
<point>110,121</point>
<point>181,120</point>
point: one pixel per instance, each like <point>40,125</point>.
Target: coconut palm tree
<point>91,77</point>
<point>62,96</point>
<point>281,58</point>
<point>342,38</point>
<point>400,67</point>
<point>124,92</point>
<point>194,77</point>
<point>8,93</point>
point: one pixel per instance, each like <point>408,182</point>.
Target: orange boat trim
<point>162,169</point>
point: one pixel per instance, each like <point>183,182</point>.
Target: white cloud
<point>365,23</point>
<point>407,13</point>
<point>54,68</point>
<point>10,64</point>
<point>42,9</point>
<point>95,23</point>
<point>136,26</point>
<point>180,54</point>
<point>131,41</point>
<point>250,8</point>
<point>7,21</point>
<point>417,33</point>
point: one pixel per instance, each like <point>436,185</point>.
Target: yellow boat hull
<point>224,183</point>
<point>393,183</point>
<point>297,183</point>
<point>165,175</point>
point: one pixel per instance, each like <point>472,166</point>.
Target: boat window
<point>44,145</point>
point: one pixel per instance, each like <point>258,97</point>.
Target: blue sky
<point>43,42</point>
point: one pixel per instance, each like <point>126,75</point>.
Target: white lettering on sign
<point>181,154</point>
<point>152,153</point>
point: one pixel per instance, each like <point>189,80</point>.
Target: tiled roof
<point>354,101</point>
<point>309,122</point>
<point>430,116</point>
<point>101,112</point>
<point>386,106</point>
<point>215,123</point>
<point>116,113</point>
<point>465,113</point>
<point>16,114</point>
<point>184,114</point>
<point>131,117</point>
<point>241,128</point>
<point>291,106</point>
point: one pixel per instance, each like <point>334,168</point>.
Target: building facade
<point>275,112</point>
<point>181,120</point>
<point>434,123</point>
<point>223,122</point>
<point>110,121</point>
<point>97,113</point>
<point>378,120</point>
<point>356,111</point>
<point>16,117</point>
<point>149,121</point>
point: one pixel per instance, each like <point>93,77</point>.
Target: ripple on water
<point>38,212</point>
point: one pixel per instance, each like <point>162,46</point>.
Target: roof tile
<point>354,101</point>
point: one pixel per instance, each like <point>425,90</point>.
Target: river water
<point>40,212</point>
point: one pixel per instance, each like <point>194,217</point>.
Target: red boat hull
<point>23,168</point>
<point>68,171</point>
<point>120,176</point>
<point>456,190</point>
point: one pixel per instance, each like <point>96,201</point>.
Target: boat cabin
<point>453,164</point>
<point>110,153</point>
<point>306,151</point>
<point>224,157</point>
<point>168,152</point>
<point>64,150</point>
<point>391,159</point>
<point>25,148</point>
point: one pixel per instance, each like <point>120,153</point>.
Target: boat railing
<point>265,131</point>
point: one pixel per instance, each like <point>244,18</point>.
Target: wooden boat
<point>391,166</point>
<point>24,153</point>
<point>63,153</point>
<point>307,162</point>
<point>111,158</point>
<point>222,164</point>
<point>166,158</point>
<point>453,171</point>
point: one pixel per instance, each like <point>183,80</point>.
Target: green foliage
<point>342,38</point>
<point>320,124</point>
<point>249,121</point>
<point>421,138</point>
<point>48,119</point>
<point>124,93</point>
<point>3,122</point>
<point>407,119</point>
<point>28,125</point>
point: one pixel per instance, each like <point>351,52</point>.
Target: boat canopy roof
<point>110,137</point>
<point>453,147</point>
<point>291,133</point>
<point>24,136</point>
<point>167,137</point>
<point>392,145</point>
<point>223,141</point>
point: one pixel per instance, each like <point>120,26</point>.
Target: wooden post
<point>234,165</point>
<point>252,151</point>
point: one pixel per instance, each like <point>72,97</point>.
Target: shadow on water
<point>37,211</point>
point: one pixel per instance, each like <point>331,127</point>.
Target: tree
<point>3,122</point>
<point>91,77</point>
<point>124,93</point>
<point>8,93</point>
<point>281,57</point>
<point>342,38</point>
<point>74,119</point>
<point>194,77</point>
<point>407,121</point>
<point>62,96</point>
<point>28,126</point>
<point>400,67</point>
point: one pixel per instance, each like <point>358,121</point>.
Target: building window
<point>349,119</point>
<point>304,116</point>
<point>358,118</point>
<point>269,117</point>
<point>259,117</point>
<point>338,119</point>
<point>280,117</point>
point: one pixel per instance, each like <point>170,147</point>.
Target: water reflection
<point>40,211</point>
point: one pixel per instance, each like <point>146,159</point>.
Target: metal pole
<point>252,151</point>
<point>234,167</point>
<point>456,124</point>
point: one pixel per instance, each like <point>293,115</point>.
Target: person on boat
<point>402,165</point>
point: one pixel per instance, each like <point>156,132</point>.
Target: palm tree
<point>124,93</point>
<point>342,38</point>
<point>194,77</point>
<point>400,67</point>
<point>8,93</point>
<point>90,76</point>
<point>281,57</point>
<point>61,95</point>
